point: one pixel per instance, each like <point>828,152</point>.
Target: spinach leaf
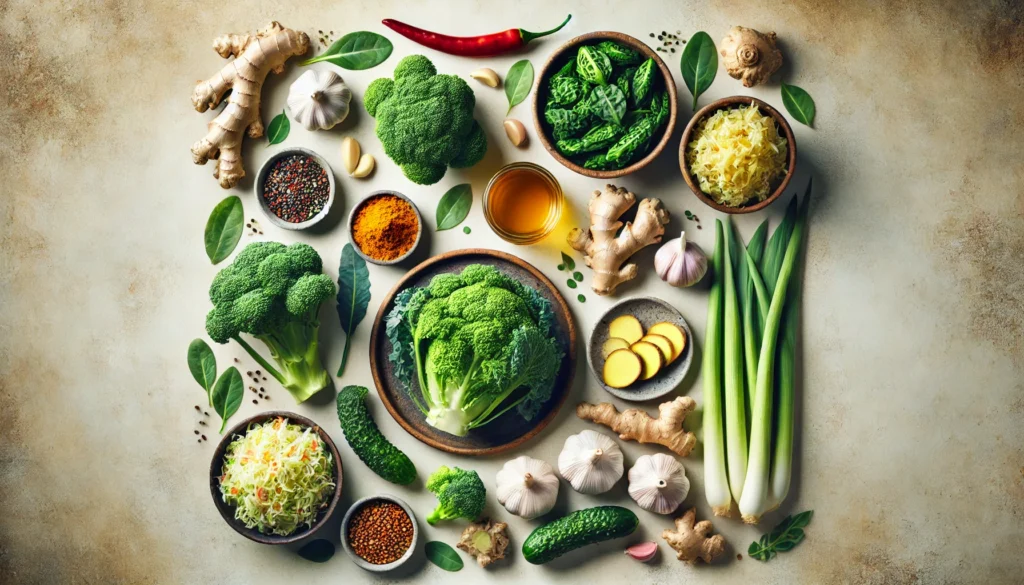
<point>593,66</point>
<point>443,556</point>
<point>786,535</point>
<point>799,104</point>
<point>565,123</point>
<point>568,262</point>
<point>565,91</point>
<point>356,51</point>
<point>353,296</point>
<point>318,551</point>
<point>699,64</point>
<point>607,103</point>
<point>454,206</point>
<point>278,129</point>
<point>518,82</point>
<point>224,229</point>
<point>618,54</point>
<point>227,395</point>
<point>643,81</point>
<point>203,365</point>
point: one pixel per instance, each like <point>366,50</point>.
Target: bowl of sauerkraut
<point>738,154</point>
<point>276,477</point>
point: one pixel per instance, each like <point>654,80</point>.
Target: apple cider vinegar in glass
<point>522,203</point>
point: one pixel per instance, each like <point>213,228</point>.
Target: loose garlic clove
<point>349,154</point>
<point>365,166</point>
<point>516,132</point>
<point>486,76</point>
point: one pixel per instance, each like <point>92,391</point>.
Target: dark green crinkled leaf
<point>227,395</point>
<point>353,296</point>
<point>699,64</point>
<point>443,556</point>
<point>593,66</point>
<point>518,82</point>
<point>785,536</point>
<point>608,103</point>
<point>203,365</point>
<point>224,229</point>
<point>799,104</point>
<point>356,51</point>
<point>278,129</point>
<point>454,206</point>
<point>318,551</point>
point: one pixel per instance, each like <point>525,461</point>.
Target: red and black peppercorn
<point>296,188</point>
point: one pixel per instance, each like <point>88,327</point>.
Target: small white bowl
<point>262,176</point>
<point>360,561</point>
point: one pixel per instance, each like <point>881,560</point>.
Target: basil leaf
<point>353,296</point>
<point>608,103</point>
<point>785,536</point>
<point>203,365</point>
<point>278,129</point>
<point>799,104</point>
<point>224,229</point>
<point>227,395</point>
<point>518,82</point>
<point>577,276</point>
<point>443,556</point>
<point>699,64</point>
<point>454,206</point>
<point>356,51</point>
<point>568,262</point>
<point>318,551</point>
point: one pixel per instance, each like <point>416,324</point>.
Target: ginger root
<point>607,254</point>
<point>692,542</point>
<point>636,425</point>
<point>749,55</point>
<point>486,541</point>
<point>256,55</point>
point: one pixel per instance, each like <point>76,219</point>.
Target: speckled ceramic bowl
<point>416,242</point>
<point>262,176</point>
<point>360,561</point>
<point>649,311</point>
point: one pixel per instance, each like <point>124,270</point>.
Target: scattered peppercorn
<point>380,532</point>
<point>198,409</point>
<point>203,436</point>
<point>196,432</point>
<point>202,422</point>
<point>254,401</point>
<point>296,188</point>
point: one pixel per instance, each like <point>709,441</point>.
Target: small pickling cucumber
<point>366,440</point>
<point>583,527</point>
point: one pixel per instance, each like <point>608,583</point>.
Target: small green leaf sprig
<point>786,535</point>
<point>569,265</point>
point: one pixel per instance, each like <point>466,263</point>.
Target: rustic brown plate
<point>726,103</point>
<point>508,431</point>
<point>558,59</point>
<point>228,512</point>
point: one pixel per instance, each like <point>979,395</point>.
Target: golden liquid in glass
<point>523,203</point>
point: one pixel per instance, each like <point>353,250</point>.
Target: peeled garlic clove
<point>365,166</point>
<point>643,551</point>
<point>516,131</point>
<point>486,76</point>
<point>591,462</point>
<point>681,263</point>
<point>349,154</point>
<point>658,483</point>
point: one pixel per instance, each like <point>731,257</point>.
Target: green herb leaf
<point>454,206</point>
<point>570,283</point>
<point>224,229</point>
<point>568,262</point>
<point>353,296</point>
<point>318,551</point>
<point>278,129</point>
<point>443,556</point>
<point>467,230</point>
<point>608,103</point>
<point>593,65</point>
<point>561,267</point>
<point>699,64</point>
<point>356,51</point>
<point>578,276</point>
<point>799,104</point>
<point>518,82</point>
<point>786,535</point>
<point>203,365</point>
<point>227,395</point>
<point>581,298</point>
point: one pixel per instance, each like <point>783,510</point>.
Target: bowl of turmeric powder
<point>385,227</point>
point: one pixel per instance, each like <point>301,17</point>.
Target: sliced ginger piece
<point>675,335</point>
<point>651,356</point>
<point>622,367</point>
<point>663,344</point>
<point>611,344</point>
<point>626,327</point>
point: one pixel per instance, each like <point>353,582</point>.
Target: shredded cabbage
<point>737,155</point>
<point>277,476</point>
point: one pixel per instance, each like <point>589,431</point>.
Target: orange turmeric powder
<point>385,227</point>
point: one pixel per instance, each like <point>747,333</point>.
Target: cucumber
<point>583,527</point>
<point>366,440</point>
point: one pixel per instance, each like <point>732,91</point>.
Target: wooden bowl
<point>227,511</point>
<point>558,59</point>
<point>726,103</point>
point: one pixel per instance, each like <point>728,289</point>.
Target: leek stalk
<point>716,480</point>
<point>735,403</point>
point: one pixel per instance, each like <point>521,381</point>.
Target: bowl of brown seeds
<point>379,533</point>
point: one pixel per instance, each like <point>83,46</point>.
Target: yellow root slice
<point>663,344</point>
<point>626,327</point>
<point>672,332</point>
<point>611,344</point>
<point>651,356</point>
<point>621,369</point>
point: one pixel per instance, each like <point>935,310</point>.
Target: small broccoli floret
<point>414,67</point>
<point>460,494</point>
<point>378,91</point>
<point>424,174</point>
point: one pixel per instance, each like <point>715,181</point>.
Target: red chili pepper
<point>479,46</point>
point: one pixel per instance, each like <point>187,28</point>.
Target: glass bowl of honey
<point>523,203</point>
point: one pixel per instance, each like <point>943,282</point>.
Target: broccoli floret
<point>460,494</point>
<point>425,120</point>
<point>273,292</point>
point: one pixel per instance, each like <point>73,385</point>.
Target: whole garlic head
<point>527,487</point>
<point>658,483</point>
<point>591,462</point>
<point>319,99</point>
<point>681,263</point>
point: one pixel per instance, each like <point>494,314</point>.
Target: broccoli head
<point>460,494</point>
<point>425,120</point>
<point>273,292</point>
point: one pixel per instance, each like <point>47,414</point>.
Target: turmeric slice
<point>622,368</point>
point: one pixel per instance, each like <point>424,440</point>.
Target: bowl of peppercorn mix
<point>295,188</point>
<point>379,533</point>
<point>385,227</point>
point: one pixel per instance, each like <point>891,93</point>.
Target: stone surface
<point>911,442</point>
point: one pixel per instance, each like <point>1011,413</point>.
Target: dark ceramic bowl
<point>228,512</point>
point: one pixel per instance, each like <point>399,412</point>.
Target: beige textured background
<point>911,446</point>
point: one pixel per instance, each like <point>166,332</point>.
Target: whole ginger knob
<point>749,55</point>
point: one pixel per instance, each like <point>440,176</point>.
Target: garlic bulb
<point>591,462</point>
<point>319,99</point>
<point>527,487</point>
<point>681,263</point>
<point>658,483</point>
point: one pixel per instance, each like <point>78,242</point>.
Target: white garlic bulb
<point>591,462</point>
<point>319,99</point>
<point>681,263</point>
<point>658,483</point>
<point>527,487</point>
